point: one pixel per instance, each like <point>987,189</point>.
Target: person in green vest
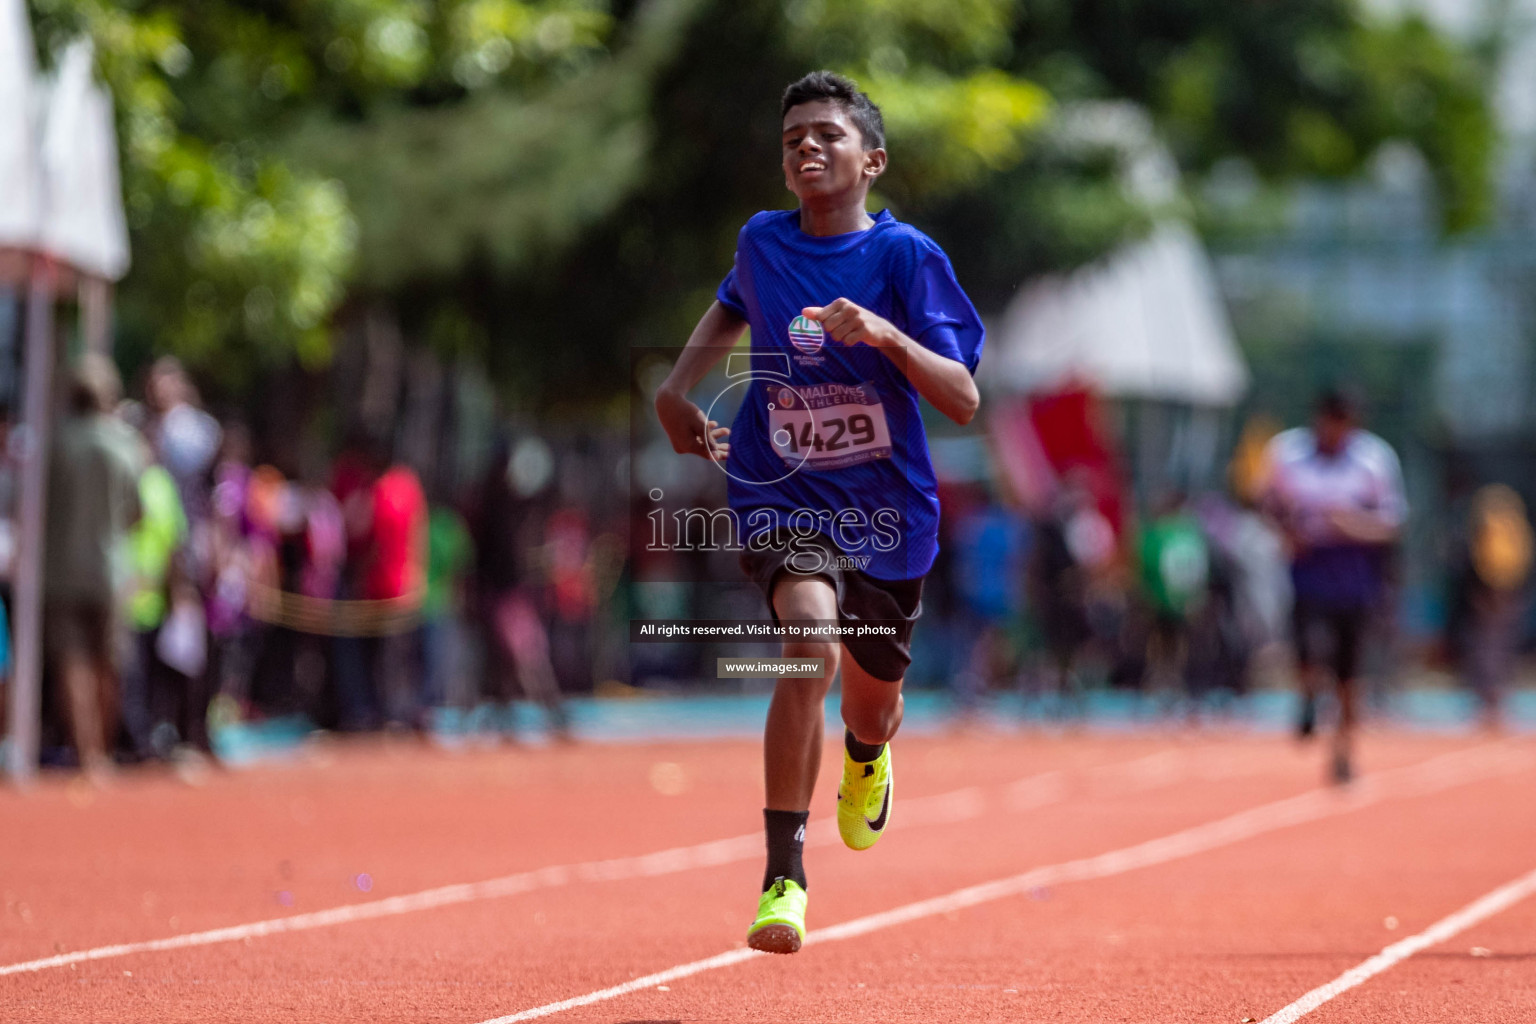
<point>151,545</point>
<point>1175,573</point>
<point>450,556</point>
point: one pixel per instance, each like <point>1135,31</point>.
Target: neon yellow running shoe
<point>780,924</point>
<point>864,800</point>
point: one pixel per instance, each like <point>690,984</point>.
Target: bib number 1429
<point>828,426</point>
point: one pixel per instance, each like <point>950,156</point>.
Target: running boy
<point>853,318</point>
<point>1337,490</point>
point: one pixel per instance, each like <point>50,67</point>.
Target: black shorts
<point>86,629</point>
<point>1320,630</point>
<point>861,598</point>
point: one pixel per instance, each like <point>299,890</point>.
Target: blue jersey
<point>829,437</point>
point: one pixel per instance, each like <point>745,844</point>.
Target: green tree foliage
<point>1305,87</point>
<point>563,292</point>
<point>241,257</point>
<point>512,175</point>
<point>1301,89</point>
<point>507,176</point>
<point>547,183</point>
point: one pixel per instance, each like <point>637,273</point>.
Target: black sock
<point>786,839</point>
<point>861,752</point>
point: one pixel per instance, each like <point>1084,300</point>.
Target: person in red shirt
<point>386,516</point>
<point>397,549</point>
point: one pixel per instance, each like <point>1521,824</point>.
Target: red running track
<point>1222,922</point>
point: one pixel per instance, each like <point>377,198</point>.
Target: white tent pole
<point>37,409</point>
<point>96,314</point>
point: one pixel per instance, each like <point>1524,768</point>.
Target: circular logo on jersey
<point>786,398</point>
<point>806,335</point>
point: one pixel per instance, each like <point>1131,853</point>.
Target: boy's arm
<point>1383,523</point>
<point>690,433</point>
<point>1362,526</point>
<point>943,381</point>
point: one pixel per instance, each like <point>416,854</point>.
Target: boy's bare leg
<point>1343,739</point>
<point>82,698</point>
<point>1310,681</point>
<point>792,738</point>
<point>872,708</point>
<point>110,702</point>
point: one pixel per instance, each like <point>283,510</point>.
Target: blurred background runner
<point>1337,492</point>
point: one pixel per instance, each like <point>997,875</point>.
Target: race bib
<point>827,426</point>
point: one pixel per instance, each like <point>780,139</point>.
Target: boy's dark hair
<point>1338,402</point>
<point>825,85</point>
<point>94,385</point>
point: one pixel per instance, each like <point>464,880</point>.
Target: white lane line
<point>726,959</point>
<point>1424,778</point>
<point>1499,900</point>
<point>957,805</point>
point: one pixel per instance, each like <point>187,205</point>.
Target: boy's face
<point>1331,432</point>
<point>824,154</point>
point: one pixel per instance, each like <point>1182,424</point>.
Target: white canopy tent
<point>1145,326</point>
<point>1147,322</point>
<point>20,213</point>
<point>83,224</point>
<point>61,223</point>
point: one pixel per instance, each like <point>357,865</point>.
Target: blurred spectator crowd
<point>189,587</point>
<point>1204,596</point>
